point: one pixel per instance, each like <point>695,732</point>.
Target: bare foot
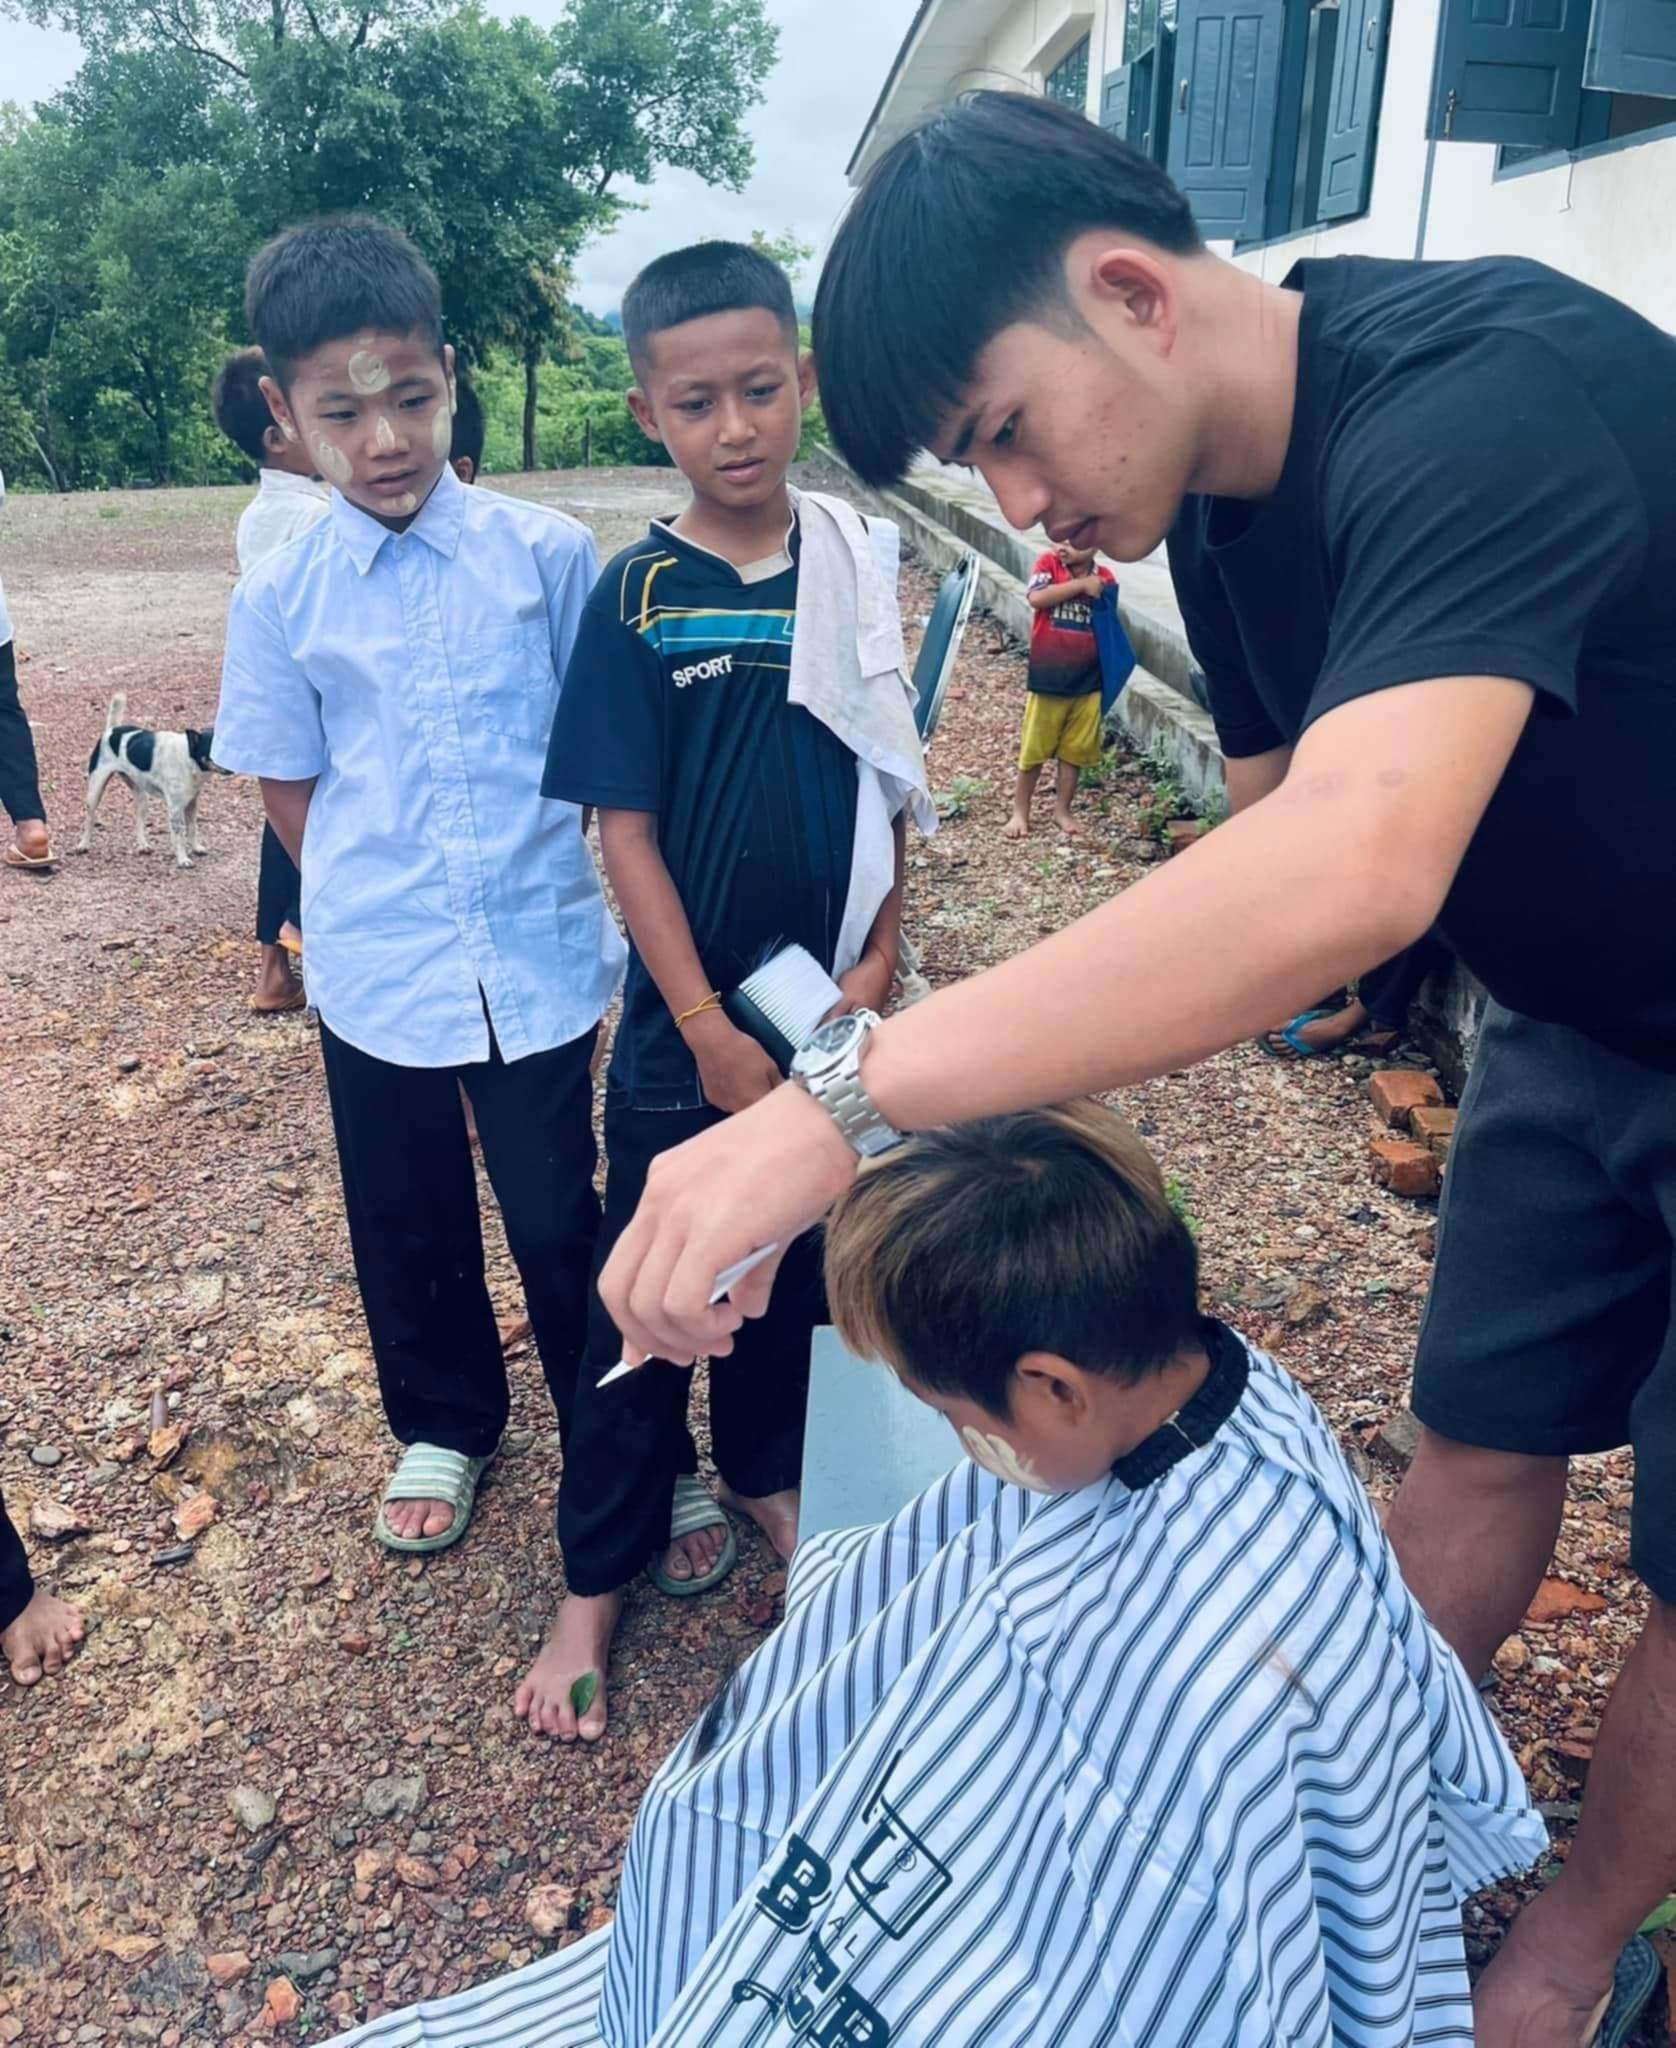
<point>291,940</point>
<point>1016,827</point>
<point>775,1514</point>
<point>690,1557</point>
<point>580,1643</point>
<point>276,986</point>
<point>1069,825</point>
<point>42,1640</point>
<point>29,835</point>
<point>410,1518</point>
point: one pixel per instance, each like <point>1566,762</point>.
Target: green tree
<point>497,145</point>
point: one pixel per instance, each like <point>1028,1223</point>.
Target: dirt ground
<point>284,1752</point>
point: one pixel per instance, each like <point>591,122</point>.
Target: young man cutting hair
<point>1422,530</point>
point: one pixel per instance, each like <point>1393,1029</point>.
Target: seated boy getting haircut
<point>391,677</point>
<point>735,707</point>
<point>1133,1737</point>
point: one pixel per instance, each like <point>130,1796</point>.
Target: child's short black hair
<point>964,1250</point>
<point>468,423</point>
<point>689,284</point>
<point>241,412</point>
<point>959,231</point>
<point>331,277</point>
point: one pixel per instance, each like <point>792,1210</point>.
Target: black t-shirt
<point>1481,480</point>
<point>674,702</point>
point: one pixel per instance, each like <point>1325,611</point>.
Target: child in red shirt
<point>1062,718</point>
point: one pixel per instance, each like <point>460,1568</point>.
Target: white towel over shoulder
<point>848,669</point>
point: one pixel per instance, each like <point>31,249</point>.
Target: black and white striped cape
<point>1182,1764</point>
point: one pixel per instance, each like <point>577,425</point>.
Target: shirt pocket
<point>507,680</point>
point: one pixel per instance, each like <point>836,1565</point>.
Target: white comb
<point>725,1281</point>
<point>782,1002</point>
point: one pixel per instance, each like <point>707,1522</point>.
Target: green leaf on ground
<point>1660,1917</point>
<point>582,1692</point>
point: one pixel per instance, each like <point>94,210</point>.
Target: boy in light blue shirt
<point>391,678</point>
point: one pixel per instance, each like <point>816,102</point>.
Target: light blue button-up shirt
<point>416,675</point>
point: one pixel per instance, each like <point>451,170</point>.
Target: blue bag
<point>1117,657</point>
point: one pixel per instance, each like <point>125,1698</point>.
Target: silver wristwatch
<point>828,1067</point>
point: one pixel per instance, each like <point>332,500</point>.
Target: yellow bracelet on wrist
<point>712,1001</point>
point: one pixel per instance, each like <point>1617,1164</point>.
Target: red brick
<point>1433,1126</point>
<point>1404,1167</point>
<point>1395,1091</point>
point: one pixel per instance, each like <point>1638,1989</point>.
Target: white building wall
<point>1608,219</point>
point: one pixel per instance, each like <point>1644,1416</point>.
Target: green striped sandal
<point>428,1472</point>
<point>695,1507</point>
<point>1637,1977</point>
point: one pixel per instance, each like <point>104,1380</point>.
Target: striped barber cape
<point>1161,1763</point>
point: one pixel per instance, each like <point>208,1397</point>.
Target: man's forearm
<point>1345,864</point>
<point>286,804</point>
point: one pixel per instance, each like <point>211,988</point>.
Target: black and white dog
<point>170,766</point>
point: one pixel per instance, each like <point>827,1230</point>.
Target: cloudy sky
<point>833,58</point>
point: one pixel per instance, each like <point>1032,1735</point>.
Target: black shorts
<point>1550,1328</point>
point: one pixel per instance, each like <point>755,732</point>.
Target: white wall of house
<point>1609,219</point>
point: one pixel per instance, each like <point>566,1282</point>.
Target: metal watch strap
<point>842,1095</point>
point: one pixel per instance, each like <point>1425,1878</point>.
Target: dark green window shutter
<point>1509,71</point>
<point>1222,120</point>
<point>1632,47</point>
<point>1353,108</point>
<point>1114,102</point>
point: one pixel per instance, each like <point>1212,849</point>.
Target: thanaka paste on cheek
<point>442,432</point>
<point>997,1456</point>
<point>368,372</point>
<point>333,462</point>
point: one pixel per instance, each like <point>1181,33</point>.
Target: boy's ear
<point>641,406</point>
<point>1057,1388</point>
<point>280,406</point>
<point>807,380</point>
<point>273,440</point>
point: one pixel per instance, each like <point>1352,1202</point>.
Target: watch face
<point>826,1043</point>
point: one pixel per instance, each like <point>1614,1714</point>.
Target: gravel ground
<point>284,1752</point>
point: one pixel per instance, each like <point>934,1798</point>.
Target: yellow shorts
<point>1061,729</point>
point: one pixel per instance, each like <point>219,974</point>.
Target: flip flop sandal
<point>428,1472</point>
<point>36,863</point>
<point>694,1508</point>
<point>297,1000</point>
<point>1633,1983</point>
<point>1293,1035</point>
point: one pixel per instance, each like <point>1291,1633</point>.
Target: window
<point>1068,80</point>
<point>1264,111</point>
<point>1546,77</point>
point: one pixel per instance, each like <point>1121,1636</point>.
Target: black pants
<point>411,1194</point>
<point>624,1444</point>
<point>279,890</point>
<point>20,786</point>
<point>17,1588</point>
<point>1388,991</point>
